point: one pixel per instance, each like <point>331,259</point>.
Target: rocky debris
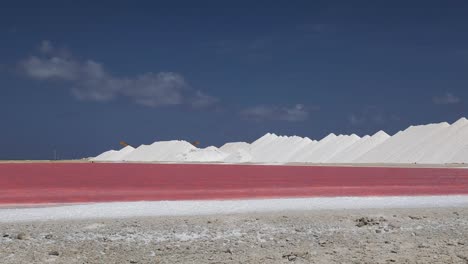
<point>48,236</point>
<point>367,221</point>
<point>322,243</point>
<point>299,230</point>
<point>293,256</point>
<point>462,257</point>
<point>22,236</point>
<point>290,257</point>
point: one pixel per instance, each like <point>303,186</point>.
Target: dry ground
<point>437,235</point>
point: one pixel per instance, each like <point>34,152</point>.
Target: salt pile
<point>113,155</point>
<point>209,154</point>
<point>426,144</point>
<point>237,152</point>
<point>160,151</point>
<point>105,156</point>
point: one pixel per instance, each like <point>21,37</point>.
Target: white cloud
<point>371,115</point>
<point>51,68</point>
<point>202,100</point>
<point>89,80</point>
<point>355,119</point>
<point>295,113</point>
<point>46,47</point>
<point>447,98</point>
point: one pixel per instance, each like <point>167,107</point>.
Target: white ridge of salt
<point>117,156</point>
<point>315,155</point>
<point>374,141</point>
<point>283,145</point>
<point>209,154</point>
<point>104,156</point>
<point>266,139</point>
<point>160,151</point>
<point>260,144</point>
<point>433,143</point>
<point>461,156</point>
<point>238,152</point>
<point>239,156</point>
<point>410,151</point>
<point>285,148</point>
<point>341,144</point>
<point>310,149</point>
<point>340,157</point>
<point>258,152</point>
<point>394,144</point>
<point>441,149</point>
<point>285,155</point>
<point>233,147</point>
<point>120,210</point>
<point>307,145</point>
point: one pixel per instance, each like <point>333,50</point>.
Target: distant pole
<point>55,154</point>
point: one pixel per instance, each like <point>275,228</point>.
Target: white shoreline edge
<point>211,207</point>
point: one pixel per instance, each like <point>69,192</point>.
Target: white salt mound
<point>104,156</point>
<point>267,152</point>
<point>309,150</point>
<point>239,156</point>
<point>374,141</point>
<point>439,143</point>
<point>285,155</point>
<point>339,146</point>
<point>350,150</point>
<point>409,153</point>
<point>160,151</point>
<point>117,156</point>
<point>237,152</point>
<point>209,154</point>
<point>233,147</point>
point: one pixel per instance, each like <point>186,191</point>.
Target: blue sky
<point>78,76</point>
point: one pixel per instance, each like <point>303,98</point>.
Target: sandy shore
<point>437,235</point>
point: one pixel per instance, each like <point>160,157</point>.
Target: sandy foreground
<point>430,235</point>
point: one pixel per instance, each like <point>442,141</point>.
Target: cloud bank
<point>445,99</point>
<point>295,113</point>
<point>89,80</point>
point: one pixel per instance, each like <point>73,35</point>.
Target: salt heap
<point>368,144</point>
<point>449,147</point>
<point>105,156</point>
<point>340,143</point>
<point>239,156</point>
<point>237,152</point>
<point>307,153</point>
<point>286,154</point>
<point>113,155</point>
<point>342,156</point>
<point>432,143</point>
<point>209,154</point>
<point>267,153</point>
<point>428,144</point>
<point>160,151</point>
